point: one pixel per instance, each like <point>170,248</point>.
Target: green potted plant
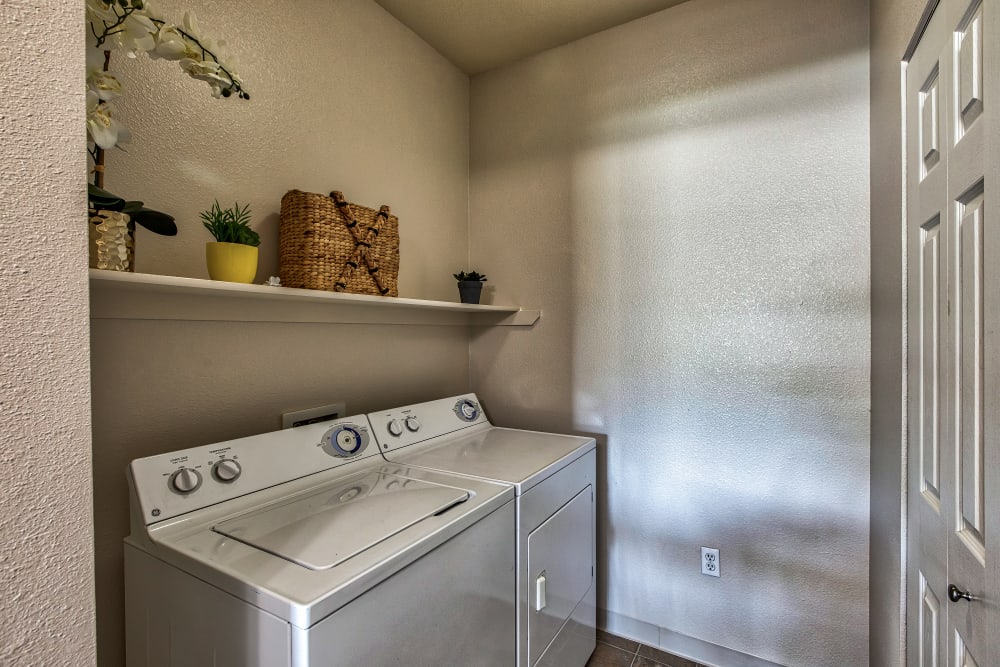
<point>233,255</point>
<point>470,285</point>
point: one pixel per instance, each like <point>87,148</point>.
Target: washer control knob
<point>344,441</point>
<point>413,424</point>
<point>226,470</point>
<point>348,440</point>
<point>394,427</point>
<point>467,410</point>
<point>185,481</point>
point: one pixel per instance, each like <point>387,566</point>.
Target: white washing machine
<point>304,548</point>
<point>554,478</point>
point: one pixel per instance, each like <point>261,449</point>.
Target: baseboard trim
<point>705,653</point>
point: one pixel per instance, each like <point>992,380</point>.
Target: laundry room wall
<point>686,198</point>
<point>46,534</point>
<point>342,97</point>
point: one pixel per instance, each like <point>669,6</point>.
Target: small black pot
<point>470,290</point>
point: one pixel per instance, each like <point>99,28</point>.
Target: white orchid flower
<point>139,31</point>
<point>104,130</point>
<point>135,29</point>
<point>103,84</point>
<point>191,25</point>
<point>203,70</point>
<point>207,71</point>
<point>152,11</point>
<point>98,11</point>
<point>170,44</point>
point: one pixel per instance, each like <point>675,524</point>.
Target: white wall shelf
<point>140,296</point>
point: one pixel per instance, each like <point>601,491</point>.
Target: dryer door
<point>560,570</point>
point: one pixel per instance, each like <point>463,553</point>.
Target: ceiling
<point>478,35</point>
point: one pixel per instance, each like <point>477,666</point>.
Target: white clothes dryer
<point>303,548</point>
<point>554,480</point>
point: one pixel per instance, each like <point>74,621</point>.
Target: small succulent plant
<point>230,225</point>
<point>471,276</point>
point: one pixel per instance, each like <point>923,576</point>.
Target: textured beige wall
<point>342,97</point>
<point>686,198</point>
<point>892,24</point>
<point>46,549</point>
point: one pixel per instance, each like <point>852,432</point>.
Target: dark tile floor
<point>615,651</point>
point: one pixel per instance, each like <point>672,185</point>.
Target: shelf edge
<point>152,297</point>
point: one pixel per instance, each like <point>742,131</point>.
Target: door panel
<point>953,322</point>
<point>969,389</point>
<point>930,368</point>
<point>927,144</point>
<point>930,626</point>
<point>962,656</point>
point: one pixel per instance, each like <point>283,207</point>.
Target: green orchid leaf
<point>132,207</point>
<point>101,199</point>
<point>155,221</point>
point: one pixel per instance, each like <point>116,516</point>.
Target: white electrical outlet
<point>710,564</point>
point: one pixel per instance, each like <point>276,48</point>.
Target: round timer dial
<point>226,470</point>
<point>185,481</point>
<point>344,441</point>
<point>467,410</point>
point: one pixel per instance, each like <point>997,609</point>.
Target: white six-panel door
<point>953,271</point>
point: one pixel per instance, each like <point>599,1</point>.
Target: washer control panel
<point>401,427</point>
<point>177,482</point>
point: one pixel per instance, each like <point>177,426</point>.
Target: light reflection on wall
<point>685,197</point>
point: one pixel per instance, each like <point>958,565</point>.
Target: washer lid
<point>512,456</point>
<point>324,527</point>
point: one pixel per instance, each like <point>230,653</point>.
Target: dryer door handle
<point>540,592</point>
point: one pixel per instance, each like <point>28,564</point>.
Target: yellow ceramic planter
<point>232,262</point>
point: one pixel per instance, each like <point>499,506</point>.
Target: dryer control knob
<point>226,470</point>
<point>394,427</point>
<point>467,410</point>
<point>185,481</point>
<point>413,424</point>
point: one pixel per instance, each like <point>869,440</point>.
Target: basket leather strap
<point>363,242</point>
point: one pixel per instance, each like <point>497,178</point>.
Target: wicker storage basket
<point>325,243</point>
